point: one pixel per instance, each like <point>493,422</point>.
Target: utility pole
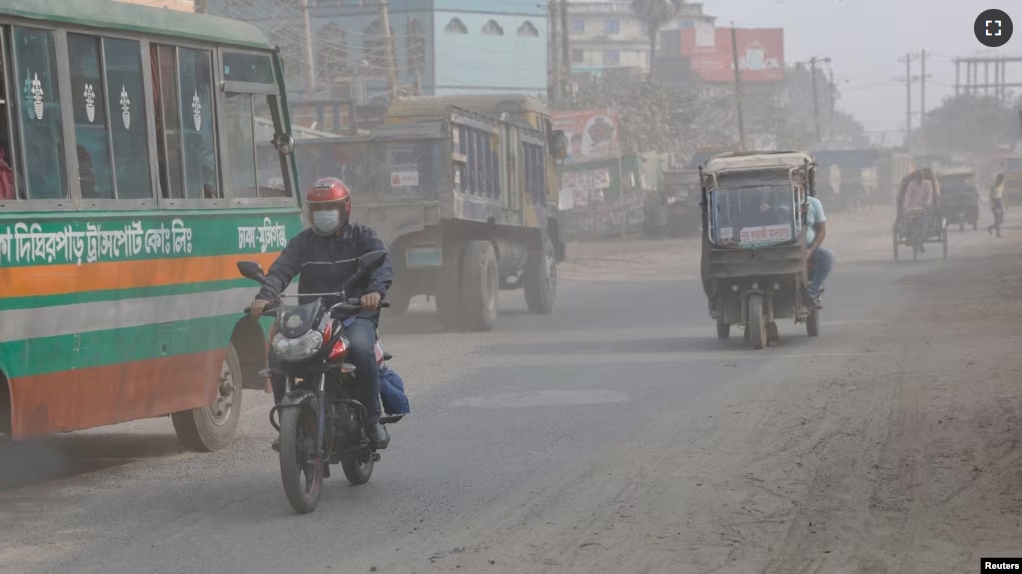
<point>922,88</point>
<point>555,56</point>
<point>310,64</point>
<point>388,46</point>
<point>738,87</point>
<point>816,98</point>
<point>908,98</point>
<point>565,44</point>
<point>833,101</point>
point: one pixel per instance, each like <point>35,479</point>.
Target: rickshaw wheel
<point>757,322</point>
<point>895,245</point>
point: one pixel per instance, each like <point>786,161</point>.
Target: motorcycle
<point>320,424</point>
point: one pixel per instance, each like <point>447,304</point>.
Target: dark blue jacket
<point>326,263</point>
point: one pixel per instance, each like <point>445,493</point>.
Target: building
<point>441,47</point>
<point>704,56</point>
<point>607,34</point>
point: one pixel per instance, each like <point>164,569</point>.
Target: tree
<point>654,15</point>
<point>659,118</point>
<point>969,124</point>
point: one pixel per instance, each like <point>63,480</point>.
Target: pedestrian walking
<point>997,205</point>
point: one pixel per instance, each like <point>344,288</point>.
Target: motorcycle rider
<point>326,255</point>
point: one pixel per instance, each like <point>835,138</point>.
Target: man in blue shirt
<point>821,259</point>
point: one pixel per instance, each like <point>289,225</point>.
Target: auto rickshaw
<point>754,267</point>
<point>959,197</point>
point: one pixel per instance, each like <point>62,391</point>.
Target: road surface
<point>617,435</point>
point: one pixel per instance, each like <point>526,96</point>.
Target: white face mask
<point>326,222</point>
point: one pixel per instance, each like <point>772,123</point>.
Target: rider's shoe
<point>275,445</point>
<point>379,438</point>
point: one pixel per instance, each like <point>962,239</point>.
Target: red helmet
<point>329,205</point>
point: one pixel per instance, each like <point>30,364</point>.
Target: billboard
<point>708,49</point>
<point>593,134</point>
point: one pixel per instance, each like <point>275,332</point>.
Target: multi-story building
<point>440,46</point>
<point>607,34</point>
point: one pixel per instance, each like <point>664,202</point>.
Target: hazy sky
<point>866,38</point>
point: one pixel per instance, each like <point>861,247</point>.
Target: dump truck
<point>462,189</point>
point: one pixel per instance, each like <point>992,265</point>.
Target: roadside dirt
<point>904,458</point>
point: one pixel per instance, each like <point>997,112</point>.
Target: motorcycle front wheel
<point>301,467</point>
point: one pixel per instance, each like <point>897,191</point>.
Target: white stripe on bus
<point>18,324</point>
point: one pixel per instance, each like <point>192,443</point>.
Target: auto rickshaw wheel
<point>757,322</point>
<point>723,329</point>
<point>813,323</point>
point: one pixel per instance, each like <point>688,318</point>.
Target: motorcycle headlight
<point>299,349</point>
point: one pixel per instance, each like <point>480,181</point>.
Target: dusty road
<point>618,435</point>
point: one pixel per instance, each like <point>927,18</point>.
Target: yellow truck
<point>464,192</point>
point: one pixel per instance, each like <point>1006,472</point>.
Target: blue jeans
<point>822,262</point>
<point>361,335</point>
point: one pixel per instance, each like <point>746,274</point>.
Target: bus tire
<point>212,427</point>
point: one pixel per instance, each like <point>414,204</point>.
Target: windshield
<point>753,215</point>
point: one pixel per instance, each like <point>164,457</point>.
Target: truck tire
<point>213,426</point>
<point>448,286</point>
<point>541,279</point>
<point>480,286</point>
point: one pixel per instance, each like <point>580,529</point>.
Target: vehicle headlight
<point>298,349</point>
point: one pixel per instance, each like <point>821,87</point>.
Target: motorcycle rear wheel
<point>301,468</point>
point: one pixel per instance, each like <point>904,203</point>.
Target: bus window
<point>240,175</point>
<point>95,171</point>
<point>195,69</point>
<point>126,107</point>
<point>168,124</point>
<point>8,188</point>
<point>255,165</point>
<point>39,118</point>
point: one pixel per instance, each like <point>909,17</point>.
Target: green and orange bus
<point>142,153</point>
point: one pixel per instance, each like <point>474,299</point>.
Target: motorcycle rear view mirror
<point>371,261</point>
<point>252,270</point>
